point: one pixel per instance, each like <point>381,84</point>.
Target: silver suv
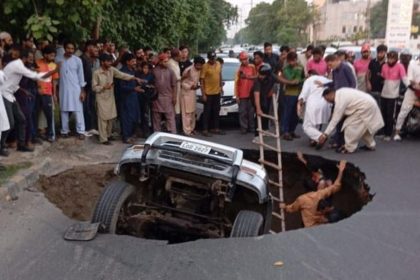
<point>185,187</point>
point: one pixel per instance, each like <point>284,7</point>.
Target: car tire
<point>109,205</point>
<point>247,224</point>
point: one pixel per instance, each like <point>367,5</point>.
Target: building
<point>341,19</point>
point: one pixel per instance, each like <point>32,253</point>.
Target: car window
<point>229,70</point>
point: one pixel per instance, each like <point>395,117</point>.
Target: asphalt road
<point>380,242</point>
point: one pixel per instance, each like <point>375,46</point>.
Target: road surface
<point>380,242</point>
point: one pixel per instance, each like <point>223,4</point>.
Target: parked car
<point>180,185</point>
<point>228,106</point>
<point>329,50</point>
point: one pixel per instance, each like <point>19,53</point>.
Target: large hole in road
<point>76,192</point>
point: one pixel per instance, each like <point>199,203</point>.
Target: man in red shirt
<point>244,81</point>
<point>362,66</point>
<point>317,63</point>
<point>47,89</point>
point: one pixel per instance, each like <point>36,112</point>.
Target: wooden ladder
<point>276,166</point>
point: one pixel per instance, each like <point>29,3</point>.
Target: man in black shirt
<point>263,90</point>
<point>90,63</point>
<point>271,58</point>
<point>185,61</point>
<point>375,82</point>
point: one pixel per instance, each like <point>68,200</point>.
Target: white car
<point>228,105</point>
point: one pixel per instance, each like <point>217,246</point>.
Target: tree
<point>282,22</point>
<point>378,19</point>
<point>133,22</point>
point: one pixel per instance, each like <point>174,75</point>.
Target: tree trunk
<point>97,29</point>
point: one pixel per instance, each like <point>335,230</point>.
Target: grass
<point>11,170</point>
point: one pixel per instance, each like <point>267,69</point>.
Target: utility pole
<point>368,20</point>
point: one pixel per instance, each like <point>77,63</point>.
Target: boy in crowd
<point>374,79</point>
<point>293,76</point>
<point>144,72</point>
<point>393,73</point>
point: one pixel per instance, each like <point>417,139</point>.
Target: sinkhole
<point>77,192</point>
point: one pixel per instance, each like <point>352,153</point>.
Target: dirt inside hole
<point>77,190</point>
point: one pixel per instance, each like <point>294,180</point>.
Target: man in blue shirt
<point>341,72</point>
<point>342,77</point>
<point>130,110</point>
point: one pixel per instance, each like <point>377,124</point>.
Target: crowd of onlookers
<point>44,86</point>
<point>128,93</point>
<point>390,78</point>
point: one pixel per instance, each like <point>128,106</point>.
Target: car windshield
<point>229,70</point>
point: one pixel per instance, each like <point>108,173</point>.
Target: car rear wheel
<point>109,205</point>
<point>247,224</point>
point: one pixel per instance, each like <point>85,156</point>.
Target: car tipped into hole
<point>180,189</point>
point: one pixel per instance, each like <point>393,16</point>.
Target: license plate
<point>195,147</point>
<point>223,112</point>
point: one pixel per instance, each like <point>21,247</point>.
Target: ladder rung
<point>269,147</point>
<point>268,117</point>
<point>275,183</point>
<point>273,165</point>
<point>276,199</point>
<point>277,215</point>
<point>268,133</point>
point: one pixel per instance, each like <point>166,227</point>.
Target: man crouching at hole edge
<point>313,206</point>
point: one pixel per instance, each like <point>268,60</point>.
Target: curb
<point>24,179</point>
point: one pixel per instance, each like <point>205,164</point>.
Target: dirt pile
<point>76,191</point>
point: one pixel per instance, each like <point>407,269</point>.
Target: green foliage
<point>42,27</point>
<point>378,18</point>
<point>12,169</point>
<point>198,23</point>
<point>282,22</point>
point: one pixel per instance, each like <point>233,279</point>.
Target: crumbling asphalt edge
<point>24,179</point>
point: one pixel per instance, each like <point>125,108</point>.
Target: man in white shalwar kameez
<point>317,109</point>
<point>71,90</point>
<point>410,98</point>
<point>362,117</point>
<point>4,120</point>
<point>173,64</point>
<point>189,85</point>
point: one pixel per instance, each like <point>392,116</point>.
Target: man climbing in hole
<point>314,206</point>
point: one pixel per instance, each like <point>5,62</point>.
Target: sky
<point>244,6</point>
